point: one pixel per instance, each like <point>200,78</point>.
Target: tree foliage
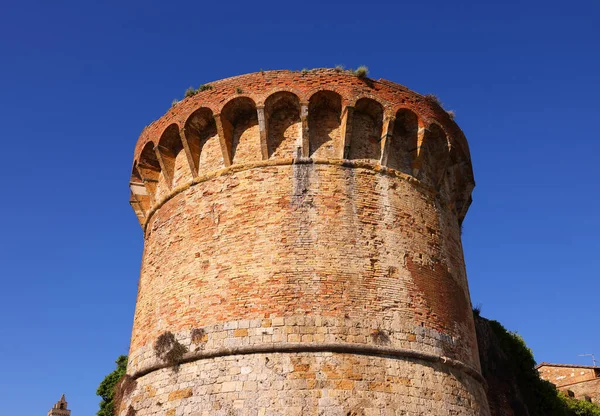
<point>106,389</point>
<point>540,396</point>
<point>579,407</point>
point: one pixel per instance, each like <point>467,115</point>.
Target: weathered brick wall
<point>585,389</point>
<point>295,244</point>
<point>564,375</point>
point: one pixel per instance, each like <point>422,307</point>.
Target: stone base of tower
<point>309,383</point>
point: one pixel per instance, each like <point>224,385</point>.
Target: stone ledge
<point>347,348</point>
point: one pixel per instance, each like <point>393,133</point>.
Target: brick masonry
<point>586,390</point>
<point>582,382</point>
<point>302,242</point>
<point>563,375</point>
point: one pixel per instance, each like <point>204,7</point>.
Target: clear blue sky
<point>79,80</point>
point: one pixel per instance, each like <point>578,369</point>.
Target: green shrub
<point>362,71</point>
<point>197,335</point>
<point>190,92</point>
<point>433,98</point>
<point>106,389</point>
<point>379,336</point>
<point>168,349</point>
<point>579,407</point>
<point>204,87</point>
<point>540,396</point>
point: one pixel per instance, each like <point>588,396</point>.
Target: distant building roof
<point>544,364</point>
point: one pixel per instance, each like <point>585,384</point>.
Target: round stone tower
<point>303,253</point>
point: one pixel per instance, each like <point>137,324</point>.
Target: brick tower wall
<point>303,254</point>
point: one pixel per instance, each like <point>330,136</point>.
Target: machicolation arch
<point>203,140</point>
<point>283,124</point>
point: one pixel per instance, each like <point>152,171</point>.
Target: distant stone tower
<point>303,253</point>
<point>60,408</point>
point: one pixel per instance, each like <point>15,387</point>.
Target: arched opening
<point>324,113</point>
<point>434,155</point>
<point>241,121</point>
<point>149,168</point>
<point>140,196</point>
<point>367,122</point>
<point>284,127</point>
<point>177,169</point>
<point>402,149</point>
<point>203,140</point>
<point>458,183</point>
